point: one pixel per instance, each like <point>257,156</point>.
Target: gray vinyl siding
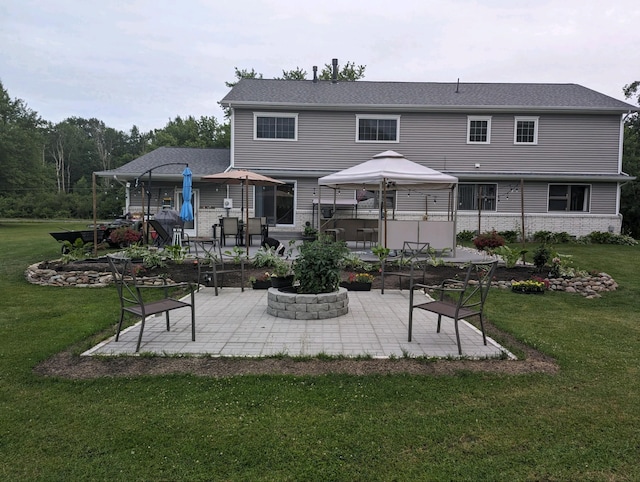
<point>326,140</point>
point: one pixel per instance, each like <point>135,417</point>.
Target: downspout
<point>232,157</point>
<point>623,119</point>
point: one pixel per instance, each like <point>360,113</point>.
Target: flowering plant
<point>360,278</point>
<point>124,236</point>
<point>534,285</point>
<point>266,276</point>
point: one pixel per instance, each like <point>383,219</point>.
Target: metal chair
<point>254,225</point>
<point>458,299</point>
<point>131,299</point>
<point>229,227</point>
<point>415,256</point>
<point>162,236</point>
<point>213,264</point>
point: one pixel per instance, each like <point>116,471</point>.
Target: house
<point>538,156</point>
<point>550,154</point>
<point>154,182</point>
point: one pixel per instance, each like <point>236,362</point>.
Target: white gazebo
<point>390,170</point>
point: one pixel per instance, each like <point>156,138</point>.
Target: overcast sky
<point>144,62</point>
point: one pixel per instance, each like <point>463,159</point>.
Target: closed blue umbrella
<point>186,212</point>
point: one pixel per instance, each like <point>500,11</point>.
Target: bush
<point>124,236</point>
<point>465,236</point>
<point>318,266</point>
<point>598,237</point>
<point>488,241</point>
<point>541,256</point>
<point>509,236</point>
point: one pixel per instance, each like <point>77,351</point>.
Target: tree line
<point>46,168</point>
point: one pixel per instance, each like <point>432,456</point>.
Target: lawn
<point>581,424</point>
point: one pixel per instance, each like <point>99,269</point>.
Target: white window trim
<point>535,130</point>
<point>590,186</point>
<point>378,117</point>
<point>478,118</point>
<point>274,114</point>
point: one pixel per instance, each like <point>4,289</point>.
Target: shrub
<point>317,267</point>
<point>541,256</point>
<point>509,236</point>
<point>465,236</point>
<point>124,236</point>
<point>488,241</point>
<point>598,237</point>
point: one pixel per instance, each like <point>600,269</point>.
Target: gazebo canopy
<point>388,167</point>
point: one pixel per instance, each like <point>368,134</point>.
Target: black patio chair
<point>213,264</point>
<point>458,299</point>
<point>132,301</point>
<point>415,256</point>
<point>163,238</point>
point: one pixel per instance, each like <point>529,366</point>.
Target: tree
<point>630,192</point>
<point>296,74</point>
<point>349,72</point>
<point>21,147</point>
<point>243,74</point>
<point>205,132</point>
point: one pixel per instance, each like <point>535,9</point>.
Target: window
<point>275,126</point>
<point>378,129</point>
<point>526,130</point>
<point>472,196</point>
<point>276,203</point>
<point>478,130</point>
<point>569,197</point>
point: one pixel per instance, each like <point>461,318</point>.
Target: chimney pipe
<point>315,74</point>
<point>334,73</point>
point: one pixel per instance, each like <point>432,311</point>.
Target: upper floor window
<point>569,197</point>
<point>275,126</point>
<point>478,130</point>
<point>378,128</point>
<point>472,197</point>
<point>526,130</point>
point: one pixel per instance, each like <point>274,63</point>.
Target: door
<point>190,227</point>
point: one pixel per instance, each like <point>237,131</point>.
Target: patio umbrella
<point>186,212</point>
<point>245,178</point>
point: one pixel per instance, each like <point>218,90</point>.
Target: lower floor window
<point>474,197</point>
<point>276,203</point>
<point>569,197</point>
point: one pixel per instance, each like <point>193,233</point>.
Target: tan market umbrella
<point>243,177</point>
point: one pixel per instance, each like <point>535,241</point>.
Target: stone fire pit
<point>296,306</point>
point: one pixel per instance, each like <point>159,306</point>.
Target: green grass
<point>581,424</point>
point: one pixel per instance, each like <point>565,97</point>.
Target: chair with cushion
<point>229,227</point>
<point>132,301</point>
<point>213,264</point>
<point>457,299</point>
<point>411,263</point>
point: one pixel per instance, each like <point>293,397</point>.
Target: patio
<point>237,324</point>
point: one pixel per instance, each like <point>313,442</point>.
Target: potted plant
<point>309,233</point>
<point>261,282</point>
<point>318,265</point>
<point>281,274</point>
<point>358,282</point>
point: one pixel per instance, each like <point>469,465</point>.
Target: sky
<point>145,62</point>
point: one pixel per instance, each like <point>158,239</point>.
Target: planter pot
<point>261,285</point>
<point>356,286</point>
<point>528,292</point>
<point>278,282</point>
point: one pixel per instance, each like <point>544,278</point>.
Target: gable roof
<point>421,96</point>
<point>201,161</point>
